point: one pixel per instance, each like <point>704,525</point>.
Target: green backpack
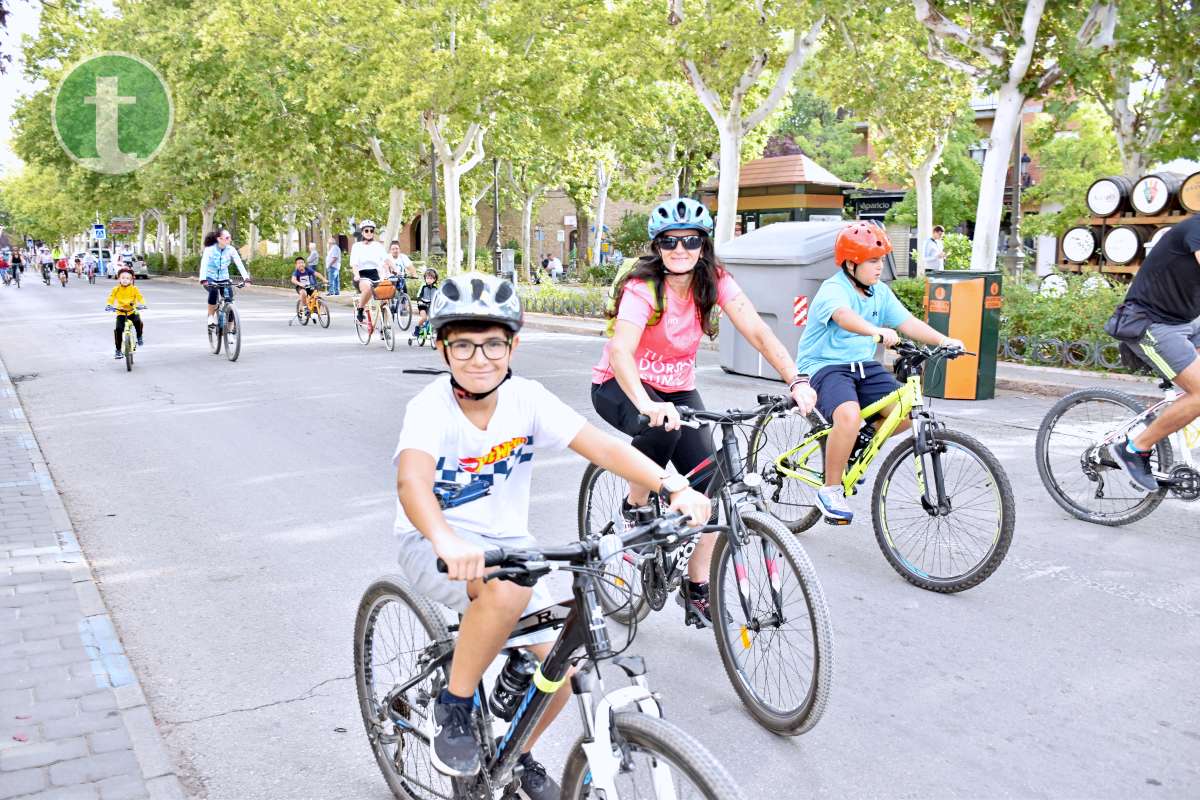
<point>610,304</point>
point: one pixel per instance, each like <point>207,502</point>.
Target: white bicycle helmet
<point>475,297</point>
<point>368,223</point>
<point>679,213</point>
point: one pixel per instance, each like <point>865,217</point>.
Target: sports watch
<point>674,483</point>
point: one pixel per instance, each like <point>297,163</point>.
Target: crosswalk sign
<point>98,232</point>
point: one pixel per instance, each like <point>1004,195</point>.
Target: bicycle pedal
<point>836,522</point>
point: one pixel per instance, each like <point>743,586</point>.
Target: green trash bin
<point>966,306</point>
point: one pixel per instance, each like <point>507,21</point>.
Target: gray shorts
<point>1169,349</point>
<point>418,564</point>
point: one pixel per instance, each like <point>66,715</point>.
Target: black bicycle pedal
<point>836,522</point>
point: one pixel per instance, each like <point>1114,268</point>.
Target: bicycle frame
<point>583,628</point>
<point>903,401</point>
<point>1183,441</point>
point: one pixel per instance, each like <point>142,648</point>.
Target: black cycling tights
<point>686,448</point>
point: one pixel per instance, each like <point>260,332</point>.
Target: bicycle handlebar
<point>666,529</point>
<point>694,418</point>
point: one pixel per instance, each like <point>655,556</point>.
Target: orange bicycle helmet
<point>861,241</point>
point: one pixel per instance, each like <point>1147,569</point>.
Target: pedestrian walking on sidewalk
<point>333,266</point>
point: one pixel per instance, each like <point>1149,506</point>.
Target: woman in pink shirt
<point>648,367</point>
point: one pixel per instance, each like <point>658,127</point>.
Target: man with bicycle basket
<point>1160,322</point>
<point>849,313</point>
<point>464,468</point>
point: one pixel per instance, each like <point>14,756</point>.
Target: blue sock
<point>1129,446</point>
<point>452,699</point>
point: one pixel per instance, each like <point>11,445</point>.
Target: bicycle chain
<point>1185,482</point>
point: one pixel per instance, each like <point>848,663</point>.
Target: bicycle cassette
<point>1184,482</point>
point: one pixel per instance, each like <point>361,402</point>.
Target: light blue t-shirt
<point>825,343</point>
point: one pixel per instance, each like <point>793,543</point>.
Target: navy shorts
<point>863,383</point>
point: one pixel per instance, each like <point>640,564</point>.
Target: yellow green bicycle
<point>942,506</point>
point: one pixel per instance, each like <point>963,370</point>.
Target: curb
<point>97,630</point>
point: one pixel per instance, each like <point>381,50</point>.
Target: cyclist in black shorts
<point>368,259</point>
<point>1160,320</point>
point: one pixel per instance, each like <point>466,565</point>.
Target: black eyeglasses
<point>464,349</point>
<point>669,243</point>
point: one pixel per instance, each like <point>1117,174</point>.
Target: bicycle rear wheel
<point>600,496</point>
<point>952,551</point>
<point>793,502</point>
<point>403,315</point>
<point>779,657</point>
<point>392,630</point>
<point>322,313</point>
<point>1079,475</point>
<point>657,761</point>
<point>386,331</point>
<point>232,334</point>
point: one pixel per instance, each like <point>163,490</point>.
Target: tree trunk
<point>141,248</point>
<point>528,257</point>
<point>395,219</point>
<point>729,172</point>
<point>922,177</point>
<point>995,173</point>
<point>452,203</point>
<point>182,239</point>
<point>472,238</point>
<point>425,236</point>
<point>207,214</point>
<point>603,182</point>
<point>581,235</point>
<point>253,233</point>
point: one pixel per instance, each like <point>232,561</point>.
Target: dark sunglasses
<point>669,243</point>
<point>368,230</point>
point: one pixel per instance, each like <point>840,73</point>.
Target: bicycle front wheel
<point>403,315</point>
<point>322,313</point>
<point>386,331</point>
<point>1076,469</point>
<point>393,629</point>
<point>657,761</point>
<point>772,626</point>
<point>362,326</point>
<point>128,353</point>
<point>943,550</point>
<point>215,336</point>
<point>232,333</point>
<point>301,310</point>
<point>793,502</point>
<point>600,496</point>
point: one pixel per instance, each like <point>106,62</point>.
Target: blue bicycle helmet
<point>679,213</point>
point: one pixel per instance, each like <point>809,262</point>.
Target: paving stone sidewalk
<point>73,720</point>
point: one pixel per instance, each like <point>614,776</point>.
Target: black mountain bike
<point>402,653</point>
<point>228,330</point>
<point>771,622</point>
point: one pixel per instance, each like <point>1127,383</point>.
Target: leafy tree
<point>1016,49</point>
<point>1071,156</point>
<point>955,182</point>
<point>823,133</point>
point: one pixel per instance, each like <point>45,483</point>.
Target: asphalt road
<point>234,513</point>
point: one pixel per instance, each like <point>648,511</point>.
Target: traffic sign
<point>120,226</point>
<point>98,232</point>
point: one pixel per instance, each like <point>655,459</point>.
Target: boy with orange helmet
<point>837,349</point>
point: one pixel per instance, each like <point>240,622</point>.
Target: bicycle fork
<point>934,499</point>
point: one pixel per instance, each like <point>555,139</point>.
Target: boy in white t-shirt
<point>472,437</point>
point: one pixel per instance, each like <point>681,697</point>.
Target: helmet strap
<point>463,394</point>
<point>869,291</point>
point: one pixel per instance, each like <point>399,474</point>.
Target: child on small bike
<point>125,299</point>
<point>304,277</point>
<point>474,435</point>
<point>849,313</point>
<point>425,297</point>
<point>63,270</point>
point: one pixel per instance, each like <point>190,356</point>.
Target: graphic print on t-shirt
<point>475,476</point>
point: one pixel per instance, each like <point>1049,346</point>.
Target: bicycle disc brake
<point>654,582</point>
<point>1184,482</point>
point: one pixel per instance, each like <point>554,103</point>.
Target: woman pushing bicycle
<point>849,313</point>
<point>661,309</point>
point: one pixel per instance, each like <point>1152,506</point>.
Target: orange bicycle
<point>312,307</point>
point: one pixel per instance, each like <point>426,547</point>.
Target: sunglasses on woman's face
<point>669,243</point>
<point>368,230</point>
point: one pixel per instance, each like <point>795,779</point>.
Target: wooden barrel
<point>1125,244</point>
<point>1158,234</point>
<point>1156,193</point>
<point>1189,193</point>
<point>1108,196</point>
<point>1079,244</point>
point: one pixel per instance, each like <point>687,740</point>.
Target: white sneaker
<point>834,508</point>
<point>212,320</point>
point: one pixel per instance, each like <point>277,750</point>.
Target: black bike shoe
<point>694,599</point>
<point>455,751</point>
<point>535,783</point>
<point>1134,464</point>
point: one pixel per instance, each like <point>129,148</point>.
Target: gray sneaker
<point>455,752</point>
<point>1134,464</point>
<point>833,505</point>
<point>535,783</point>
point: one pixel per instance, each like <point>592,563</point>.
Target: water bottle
<point>865,434</point>
<point>511,684</point>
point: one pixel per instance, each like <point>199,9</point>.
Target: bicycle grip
<point>491,558</point>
